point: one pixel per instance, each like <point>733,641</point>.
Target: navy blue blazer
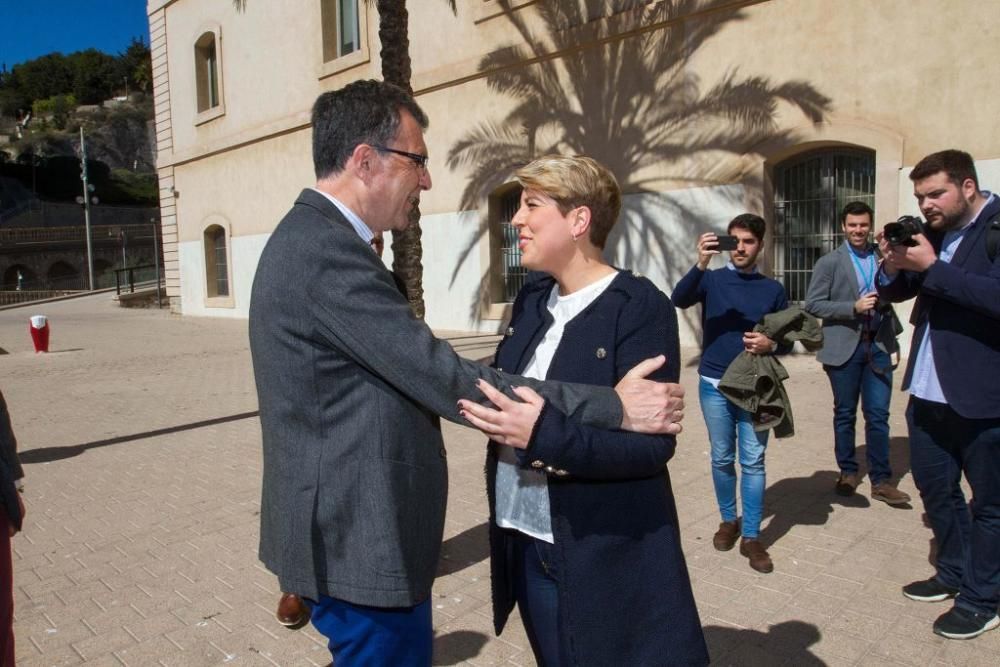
<point>624,593</point>
<point>960,302</point>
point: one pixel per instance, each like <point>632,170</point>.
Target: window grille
<point>810,192</point>
<point>216,262</point>
<point>510,254</point>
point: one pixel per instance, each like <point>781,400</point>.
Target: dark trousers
<point>361,636</point>
<point>943,446</point>
<point>866,375</point>
<point>6,593</point>
<point>536,588</point>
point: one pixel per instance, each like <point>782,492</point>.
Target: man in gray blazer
<point>859,339</point>
<point>350,387</point>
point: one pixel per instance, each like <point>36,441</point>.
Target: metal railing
<point>131,275</point>
<point>12,297</point>
<point>49,234</point>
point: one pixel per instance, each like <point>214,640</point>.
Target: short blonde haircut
<point>577,181</point>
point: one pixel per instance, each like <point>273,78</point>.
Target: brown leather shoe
<point>847,483</point>
<point>291,610</point>
<point>887,493</point>
<point>760,560</point>
<point>725,538</point>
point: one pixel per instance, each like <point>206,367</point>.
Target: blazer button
<point>550,469</point>
<point>601,353</point>
<point>443,452</point>
<point>499,369</point>
<point>510,331</point>
<point>537,464</point>
<point>561,473</point>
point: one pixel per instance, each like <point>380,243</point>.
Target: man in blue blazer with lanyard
<point>953,269</point>
<point>351,387</point>
<point>858,343</point>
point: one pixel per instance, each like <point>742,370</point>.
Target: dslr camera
<point>902,231</point>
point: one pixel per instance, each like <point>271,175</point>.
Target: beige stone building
<point>702,108</point>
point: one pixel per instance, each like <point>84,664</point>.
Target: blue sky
<point>32,28</point>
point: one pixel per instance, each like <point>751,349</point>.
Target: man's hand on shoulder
<point>649,406</point>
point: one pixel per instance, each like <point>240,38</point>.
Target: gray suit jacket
<point>832,292</point>
<point>350,387</point>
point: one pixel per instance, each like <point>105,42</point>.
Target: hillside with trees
<point>43,104</point>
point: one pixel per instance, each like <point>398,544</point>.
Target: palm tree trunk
<point>395,54</point>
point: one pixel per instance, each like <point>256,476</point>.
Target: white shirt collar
<point>360,227</point>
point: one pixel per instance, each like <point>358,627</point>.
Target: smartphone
<point>726,243</point>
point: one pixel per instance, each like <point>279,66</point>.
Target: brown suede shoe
<point>760,560</point>
<point>291,610</point>
<point>887,493</point>
<point>847,483</point>
<point>725,538</point>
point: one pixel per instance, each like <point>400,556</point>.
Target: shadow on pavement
<point>784,644</point>
<point>805,501</point>
<point>899,457</point>
<point>457,647</point>
<point>48,454</point>
<point>464,550</point>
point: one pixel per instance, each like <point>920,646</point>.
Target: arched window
<point>63,275</point>
<point>505,255</point>
<point>216,262</point>
<point>809,192</point>
<point>18,277</point>
<point>206,70</point>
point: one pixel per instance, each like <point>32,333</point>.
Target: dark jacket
<point>10,467</point>
<point>754,381</point>
<point>625,597</point>
<point>960,302</point>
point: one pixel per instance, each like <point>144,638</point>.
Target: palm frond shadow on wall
<point>622,89</point>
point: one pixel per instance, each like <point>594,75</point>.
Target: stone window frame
<point>209,236</point>
<point>204,75</point>
<point>329,39</point>
<point>494,305</point>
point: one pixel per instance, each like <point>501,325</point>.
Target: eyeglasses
<point>419,160</point>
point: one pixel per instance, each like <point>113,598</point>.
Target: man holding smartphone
<point>733,300</point>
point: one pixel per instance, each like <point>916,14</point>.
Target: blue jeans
<point>868,375</point>
<point>943,446</point>
<point>536,589</point>
<point>374,636</point>
<point>726,425</point>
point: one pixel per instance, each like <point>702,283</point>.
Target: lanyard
<point>867,276</point>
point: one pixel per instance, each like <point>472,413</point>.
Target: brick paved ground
<point>141,446</point>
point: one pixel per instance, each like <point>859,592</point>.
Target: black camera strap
<point>993,238</point>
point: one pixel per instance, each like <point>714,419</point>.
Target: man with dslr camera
<point>859,339</point>
<point>953,268</point>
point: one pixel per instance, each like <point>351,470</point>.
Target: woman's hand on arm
<point>511,422</point>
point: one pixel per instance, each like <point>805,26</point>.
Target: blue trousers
<point>943,446</point>
<point>730,430</point>
<point>866,375</point>
<point>536,589</point>
<point>361,636</point>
